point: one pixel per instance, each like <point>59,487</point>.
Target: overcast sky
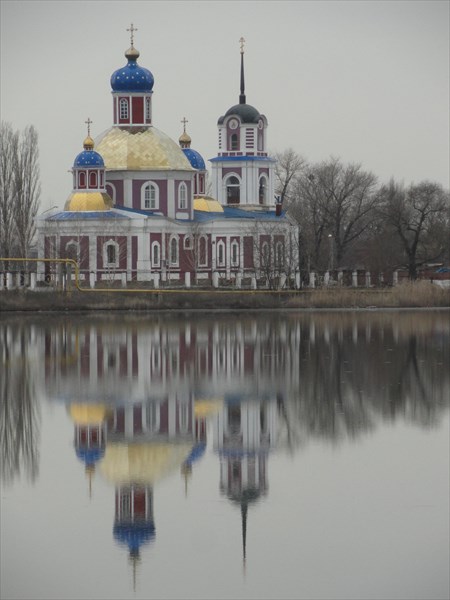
<point>364,81</point>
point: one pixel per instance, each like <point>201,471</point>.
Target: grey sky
<point>365,81</point>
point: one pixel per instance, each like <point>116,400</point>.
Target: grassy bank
<point>407,295</point>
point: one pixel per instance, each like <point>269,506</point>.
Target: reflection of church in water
<point>135,442</point>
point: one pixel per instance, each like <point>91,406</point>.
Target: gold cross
<point>89,123</point>
<point>184,121</point>
<point>132,30</point>
<point>241,41</point>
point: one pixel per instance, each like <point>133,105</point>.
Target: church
<point>140,210</point>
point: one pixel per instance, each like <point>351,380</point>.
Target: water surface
<point>269,455</point>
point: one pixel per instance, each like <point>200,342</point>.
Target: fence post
<point>215,279</point>
<point>187,279</point>
<point>355,279</point>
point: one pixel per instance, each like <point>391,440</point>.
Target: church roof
<point>88,414</point>
<point>207,204</point>
<point>144,149</point>
<point>88,158</point>
<point>246,113</point>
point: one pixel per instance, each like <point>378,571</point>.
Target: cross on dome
<point>132,29</point>
<point>241,41</point>
<point>184,121</point>
<point>89,123</point>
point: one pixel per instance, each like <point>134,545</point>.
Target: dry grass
<point>406,295</point>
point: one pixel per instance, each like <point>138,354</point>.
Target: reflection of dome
<point>134,535</point>
<point>132,77</point>
<point>90,456</point>
<point>196,453</point>
<point>246,112</point>
<point>206,204</point>
<point>140,150</point>
<point>142,463</point>
<point>88,414</point>
<point>195,158</point>
<point>206,408</point>
<point>84,201</point>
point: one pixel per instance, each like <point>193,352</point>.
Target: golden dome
<point>132,53</point>
<point>88,414</point>
<point>142,463</point>
<point>140,150</point>
<point>207,204</point>
<point>88,143</point>
<point>185,138</point>
<point>86,201</point>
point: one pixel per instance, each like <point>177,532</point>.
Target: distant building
<point>139,209</point>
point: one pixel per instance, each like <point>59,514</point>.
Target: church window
<point>233,190</point>
<point>262,190</point>
<point>279,255</point>
<point>188,242</point>
<point>220,254</point>
<point>202,254</point>
<point>123,108</point>
<point>173,249</point>
<point>150,196</point>
<point>82,179</point>
<point>234,254</point>
<point>93,179</point>
<point>182,195</point>
<point>260,140</point>
<point>72,250</point>
<point>111,254</point>
<point>201,186</point>
<point>265,255</point>
<point>156,254</point>
<point>234,141</point>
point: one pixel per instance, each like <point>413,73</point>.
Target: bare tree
<point>8,152</point>
<point>419,217</point>
<point>289,166</point>
<point>27,188</point>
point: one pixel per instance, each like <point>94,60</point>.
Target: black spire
<point>242,94</point>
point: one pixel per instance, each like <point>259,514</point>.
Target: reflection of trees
<point>358,369</point>
<point>19,412</point>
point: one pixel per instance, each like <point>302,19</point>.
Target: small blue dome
<point>132,77</point>
<point>134,535</point>
<point>89,158</point>
<point>195,159</point>
<point>90,455</point>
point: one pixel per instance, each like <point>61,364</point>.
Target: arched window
<point>93,179</point>
<point>202,253</point>
<point>150,196</point>
<point>148,109</point>
<point>123,108</point>
<point>220,254</point>
<point>265,255</point>
<point>156,254</point>
<point>279,255</point>
<point>201,186</point>
<point>173,251</point>
<point>234,254</point>
<point>262,190</point>
<point>82,179</point>
<point>72,250</point>
<point>234,141</point>
<point>111,191</point>
<point>182,195</point>
<point>233,190</point>
<point>187,242</point>
<point>111,254</point>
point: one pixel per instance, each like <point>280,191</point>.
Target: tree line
<point>346,219</point>
<point>20,189</point>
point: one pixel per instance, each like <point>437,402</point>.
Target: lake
<point>266,455</point>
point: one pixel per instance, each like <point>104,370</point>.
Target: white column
<point>187,279</point>
<point>312,279</point>
<point>355,279</point>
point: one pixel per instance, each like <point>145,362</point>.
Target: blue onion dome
<point>246,113</point>
<point>132,77</point>
<point>90,456</point>
<point>195,158</point>
<point>89,157</point>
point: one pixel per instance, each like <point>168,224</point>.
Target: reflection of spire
<point>134,559</point>
<point>244,507</point>
<point>90,470</point>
